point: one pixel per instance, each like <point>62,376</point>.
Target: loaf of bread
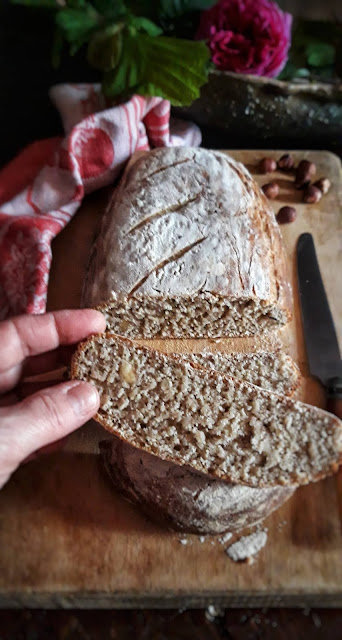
<point>273,371</point>
<point>183,499</point>
<point>213,423</point>
<point>189,247</point>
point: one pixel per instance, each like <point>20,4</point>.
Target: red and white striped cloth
<point>42,188</point>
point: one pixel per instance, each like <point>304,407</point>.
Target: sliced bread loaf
<point>189,247</point>
<point>213,423</point>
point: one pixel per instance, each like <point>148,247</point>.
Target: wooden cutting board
<point>68,540</point>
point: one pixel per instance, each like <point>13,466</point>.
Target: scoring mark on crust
<point>173,208</point>
<point>172,258</point>
<point>168,166</point>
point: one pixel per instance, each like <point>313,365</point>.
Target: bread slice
<point>213,423</point>
<point>272,371</point>
<point>189,247</point>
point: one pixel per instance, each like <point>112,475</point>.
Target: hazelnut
<point>305,172</point>
<point>286,214</point>
<point>267,165</point>
<point>307,167</point>
<point>271,190</point>
<point>312,194</point>
<point>126,372</point>
<point>286,162</point>
<point>323,184</point>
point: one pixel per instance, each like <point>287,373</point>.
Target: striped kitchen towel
<point>42,188</point>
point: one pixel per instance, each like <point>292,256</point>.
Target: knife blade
<point>321,342</point>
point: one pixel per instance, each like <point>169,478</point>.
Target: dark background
<point>238,624</point>
<point>26,115</point>
<point>26,35</point>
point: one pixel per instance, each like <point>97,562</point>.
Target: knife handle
<point>334,396</point>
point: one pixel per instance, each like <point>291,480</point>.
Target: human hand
<point>30,345</point>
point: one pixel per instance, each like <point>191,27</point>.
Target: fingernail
<point>83,398</point>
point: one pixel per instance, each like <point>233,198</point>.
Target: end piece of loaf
<point>215,424</point>
<point>189,247</point>
<point>183,499</point>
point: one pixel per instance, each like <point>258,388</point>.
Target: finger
<point>43,418</point>
<point>26,389</point>
<point>29,335</point>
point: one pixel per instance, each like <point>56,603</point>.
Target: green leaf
<point>104,49</point>
<point>173,8</point>
<point>320,54</point>
<point>144,24</point>
<point>127,73</point>
<point>77,25</point>
<point>172,68</point>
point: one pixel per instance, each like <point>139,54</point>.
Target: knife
<point>322,348</point>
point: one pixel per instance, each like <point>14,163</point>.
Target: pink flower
<point>247,36</point>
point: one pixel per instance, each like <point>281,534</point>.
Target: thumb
<point>42,418</point>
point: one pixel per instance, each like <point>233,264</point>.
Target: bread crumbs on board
<point>246,548</point>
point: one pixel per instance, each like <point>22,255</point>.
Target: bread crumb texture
<point>215,424</point>
<point>189,247</point>
<point>273,371</point>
